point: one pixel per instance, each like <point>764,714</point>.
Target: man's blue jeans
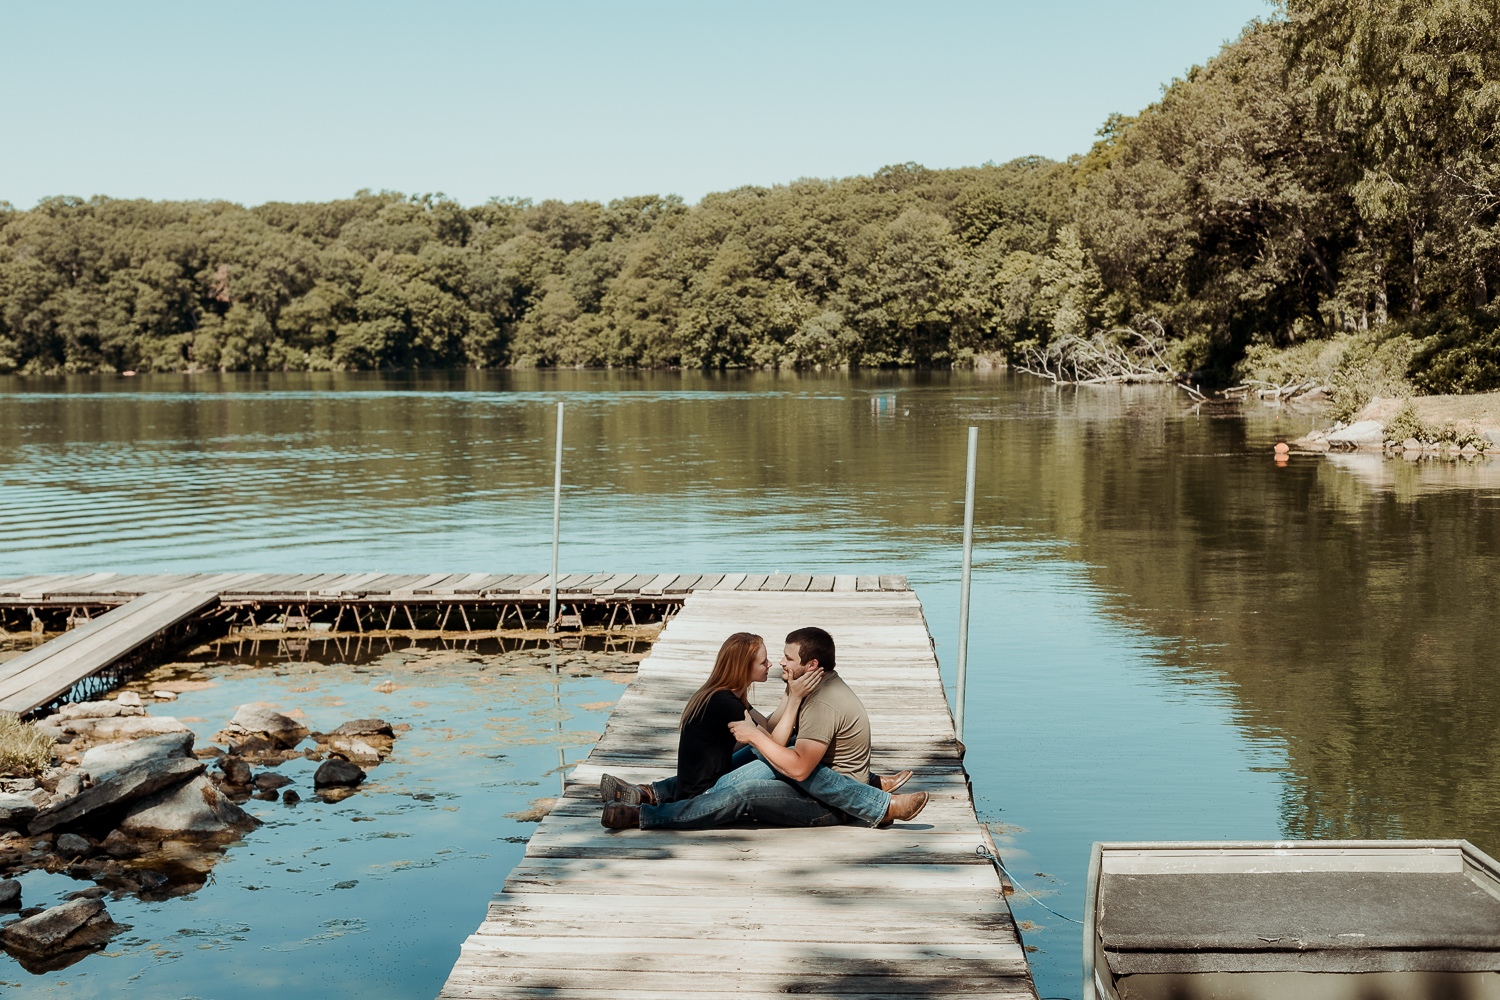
<point>755,790</point>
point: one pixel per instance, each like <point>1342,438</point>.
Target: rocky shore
<point>1433,426</point>
<point>132,805</point>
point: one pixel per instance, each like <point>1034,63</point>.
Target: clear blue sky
<point>269,100</point>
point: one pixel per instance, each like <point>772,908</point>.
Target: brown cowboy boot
<point>904,807</point>
<point>891,782</point>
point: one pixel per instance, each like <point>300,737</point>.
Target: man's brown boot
<point>891,782</point>
<point>612,788</point>
<point>903,807</point>
<point>619,816</point>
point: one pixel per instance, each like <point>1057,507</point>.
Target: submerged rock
<point>78,924</point>
<point>196,809</point>
<point>113,758</point>
<point>10,892</point>
<point>281,730</point>
<point>117,791</point>
<point>354,749</point>
<point>268,782</point>
<point>335,772</point>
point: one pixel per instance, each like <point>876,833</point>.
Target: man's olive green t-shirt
<point>834,715</point>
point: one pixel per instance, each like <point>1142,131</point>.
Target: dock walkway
<point>754,911</point>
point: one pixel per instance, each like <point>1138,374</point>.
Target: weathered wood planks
<point>36,677</point>
<point>751,911</point>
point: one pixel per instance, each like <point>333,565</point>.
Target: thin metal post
<point>556,519</point>
<point>963,593</point>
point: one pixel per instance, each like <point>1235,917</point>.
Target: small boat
<point>1292,920</point>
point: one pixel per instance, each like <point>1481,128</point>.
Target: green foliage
<point>1367,368</point>
<point>1405,424</point>
<point>1456,352</point>
<point>906,267</point>
<point>24,749</point>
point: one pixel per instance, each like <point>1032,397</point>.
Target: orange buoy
<point>1282,449</point>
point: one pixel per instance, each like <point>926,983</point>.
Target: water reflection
<point>1174,636</point>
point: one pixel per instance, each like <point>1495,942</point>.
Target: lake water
<point>1173,638</point>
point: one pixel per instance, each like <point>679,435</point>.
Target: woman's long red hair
<point>732,669</point>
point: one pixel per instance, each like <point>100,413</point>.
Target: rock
<point>18,784</point>
<point>1363,434</point>
<point>267,782</point>
<point>236,771</point>
<point>72,843</point>
<point>129,698</point>
<point>81,923</point>
<point>126,728</point>
<point>98,710</point>
<point>112,758</point>
<point>69,786</point>
<point>253,746</point>
<point>164,695</point>
<point>117,791</point>
<point>17,808</point>
<point>1469,449</point>
<point>355,750</point>
<point>1314,395</point>
<point>364,727</point>
<point>10,892</point>
<point>270,795</point>
<point>196,809</point>
<point>278,728</point>
<point>96,892</point>
<point>53,733</point>
<point>117,845</point>
<point>290,798</point>
<point>337,772</point>
<point>1411,444</point>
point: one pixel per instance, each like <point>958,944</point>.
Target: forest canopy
<point>1332,172</point>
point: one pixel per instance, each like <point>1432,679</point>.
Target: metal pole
<point>963,593</point>
<point>556,519</point>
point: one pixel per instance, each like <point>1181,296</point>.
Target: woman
<point>706,749</point>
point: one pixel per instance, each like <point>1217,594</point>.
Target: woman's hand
<point>806,684</point>
<point>744,729</point>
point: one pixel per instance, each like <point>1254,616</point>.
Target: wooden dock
<point>43,674</point>
<point>754,911</point>
<point>112,620</point>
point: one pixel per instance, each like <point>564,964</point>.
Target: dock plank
<point>746,911</point>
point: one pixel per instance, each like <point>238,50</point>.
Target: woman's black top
<point>705,745</point>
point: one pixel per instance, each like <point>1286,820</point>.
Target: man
<point>823,778</point>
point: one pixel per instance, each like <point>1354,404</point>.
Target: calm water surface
<point>1174,637</point>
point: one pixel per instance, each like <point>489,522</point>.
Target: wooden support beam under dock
<point>757,911</point>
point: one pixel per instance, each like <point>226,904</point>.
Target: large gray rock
<point>124,727</point>
<point>116,792</point>
<point>17,808</point>
<point>98,710</point>
<point>80,923</point>
<point>10,892</point>
<point>279,729</point>
<point>1362,434</point>
<point>196,809</point>
<point>354,749</point>
<point>112,758</point>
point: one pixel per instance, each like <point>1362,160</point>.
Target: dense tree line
<point>1334,170</point>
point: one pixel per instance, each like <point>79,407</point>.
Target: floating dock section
<point>756,911</point>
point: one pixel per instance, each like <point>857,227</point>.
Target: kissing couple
<point>807,764</point>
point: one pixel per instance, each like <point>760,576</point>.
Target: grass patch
<point>24,749</point>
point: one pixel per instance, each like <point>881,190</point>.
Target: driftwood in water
<point>1122,356</point>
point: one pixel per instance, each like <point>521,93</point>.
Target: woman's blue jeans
<point>756,791</point>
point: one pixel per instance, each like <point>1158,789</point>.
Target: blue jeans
<point>754,790</point>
